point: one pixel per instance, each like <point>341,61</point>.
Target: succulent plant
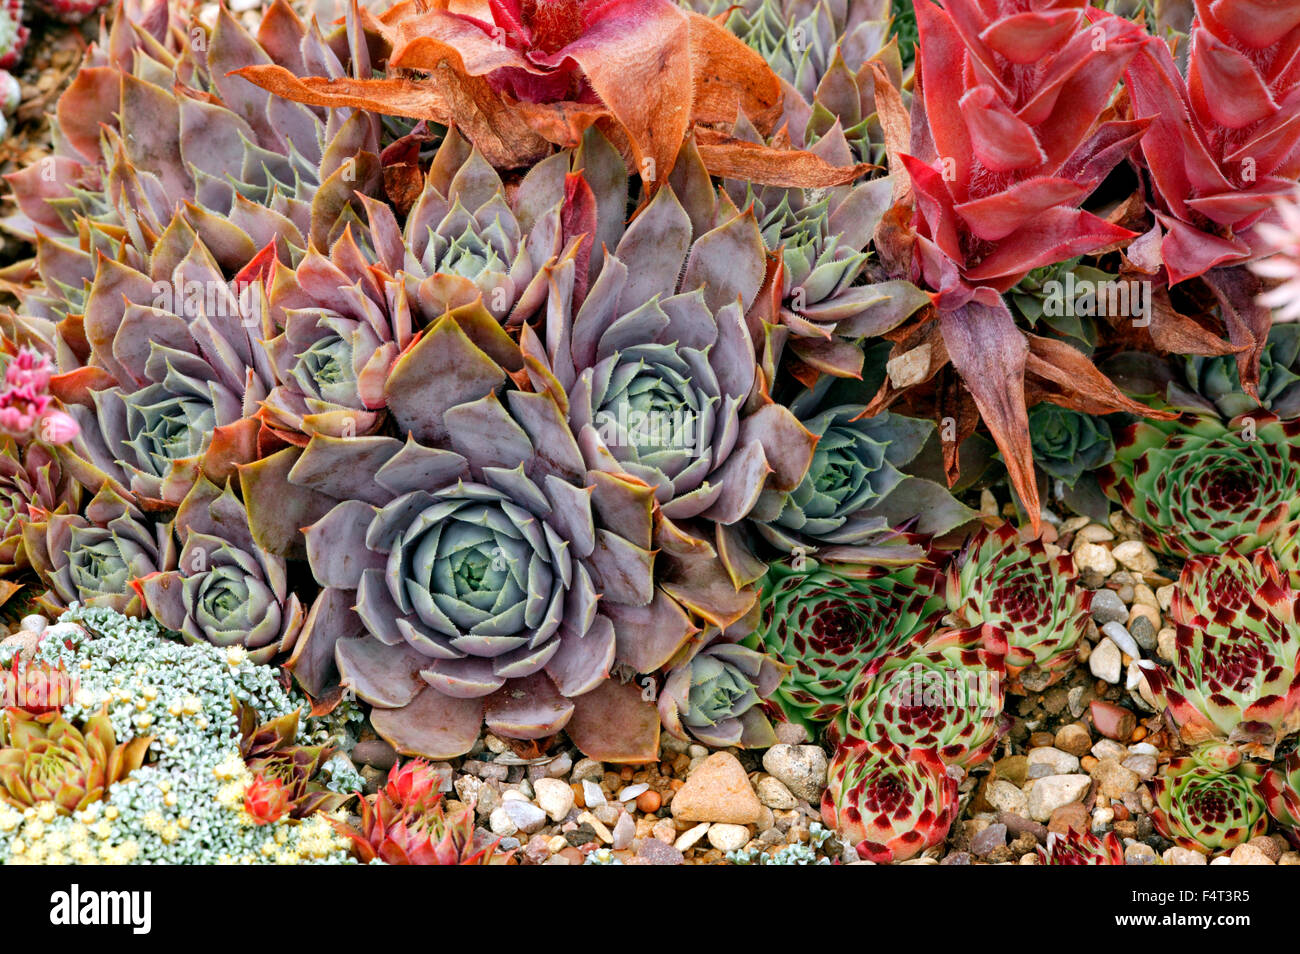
<point>660,366</point>
<point>38,688</point>
<point>486,576</point>
<point>1280,791</point>
<point>663,384</point>
<point>404,827</point>
<point>827,619</point>
<point>1220,153</point>
<point>715,695</point>
<point>13,34</point>
<point>1000,163</point>
<point>818,241</point>
<point>286,772</point>
<point>266,800</point>
<point>856,492</point>
<point>1211,385</point>
<point>1206,801</point>
<point>941,691</point>
<point>52,761</point>
<point>32,481</point>
<point>1067,443</point>
<point>1071,847</point>
<point>1035,599</point>
<point>93,557</point>
<point>178,372</point>
<point>155,122</point>
<point>890,803</point>
<point>1063,298</point>
<point>1200,485</point>
<point>1236,671</point>
<point>223,589</point>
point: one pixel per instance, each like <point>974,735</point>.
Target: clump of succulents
<point>1201,485</point>
<point>941,691</point>
<point>288,773</point>
<point>1063,297</point>
<point>1280,790</point>
<point>470,571</point>
<point>799,38</point>
<point>186,805</point>
<point>816,285</point>
<point>1236,671</point>
<point>1072,847</point>
<point>888,802</point>
<point>1211,384</point>
<point>798,853</point>
<point>999,165</point>
<point>827,619</point>
<point>1033,598</point>
<point>154,122</point>
<point>405,823</point>
<point>1206,801</point>
<point>53,761</point>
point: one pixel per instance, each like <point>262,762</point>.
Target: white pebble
<point>1121,638</point>
<point>630,792</point>
<point>592,794</point>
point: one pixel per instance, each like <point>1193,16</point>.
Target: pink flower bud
<point>58,427</point>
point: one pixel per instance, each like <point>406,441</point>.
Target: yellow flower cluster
<point>83,841</point>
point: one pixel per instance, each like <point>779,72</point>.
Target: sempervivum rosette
<point>1032,597</point>
<point>477,571</point>
<point>827,619</point>
<point>662,383</point>
<point>1199,485</point>
<point>1072,847</point>
<point>177,372</point>
<point>1236,672</point>
<point>223,589</point>
<point>941,691</point>
<point>714,690</point>
<point>464,239</point>
<point>1067,443</point>
<point>818,287</point>
<point>660,366</point>
<point>1280,790</point>
<point>855,492</point>
<point>32,479</point>
<point>154,121</point>
<point>341,325</point>
<point>1206,801</point>
<point>93,557</point>
<point>890,803</point>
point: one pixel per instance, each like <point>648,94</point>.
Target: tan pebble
<point>1094,533</point>
<point>1135,555</point>
<point>691,837</point>
<point>1091,556</point>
